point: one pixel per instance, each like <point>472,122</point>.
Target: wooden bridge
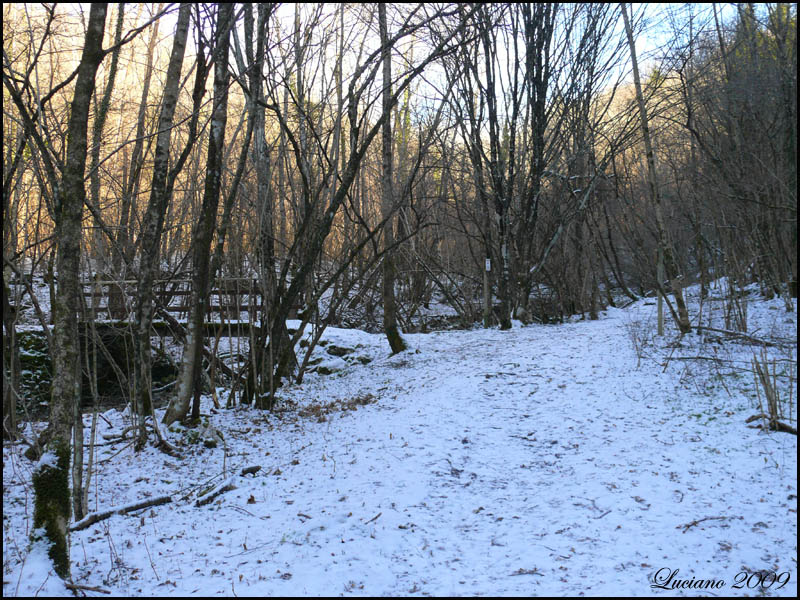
<point>234,303</point>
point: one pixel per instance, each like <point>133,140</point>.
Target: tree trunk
<point>260,383</point>
<point>50,477</point>
<point>99,245</point>
<point>503,287</point>
<point>11,365</point>
<point>123,248</point>
<point>189,380</point>
<point>153,226</point>
<point>665,249</point>
<point>396,342</point>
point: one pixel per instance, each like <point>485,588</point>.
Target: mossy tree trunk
<point>51,478</point>
<point>51,510</point>
<point>11,366</point>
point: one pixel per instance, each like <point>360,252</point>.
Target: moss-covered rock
<point>331,365</point>
<point>335,350</point>
<point>36,369</point>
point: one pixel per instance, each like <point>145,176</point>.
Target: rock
<point>339,350</point>
<point>330,366</point>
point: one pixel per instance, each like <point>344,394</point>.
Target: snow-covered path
<point>544,460</point>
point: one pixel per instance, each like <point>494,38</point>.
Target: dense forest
<point>281,169</point>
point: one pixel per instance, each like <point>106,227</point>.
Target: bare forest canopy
<point>358,164</point>
<point>494,157</point>
<point>514,137</point>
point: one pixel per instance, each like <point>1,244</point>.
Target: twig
<point>714,358</point>
<point>698,521</point>
<point>164,387</point>
<point>374,518</point>
<point>119,436</point>
<point>152,565</point>
<point>247,512</point>
<point>534,571</point>
<point>108,458</point>
<point>85,588</point>
<point>739,334</point>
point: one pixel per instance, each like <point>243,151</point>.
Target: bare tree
<point>664,247</point>
<point>313,231</point>
<point>123,248</point>
<point>396,342</point>
<point>259,381</point>
<point>190,381</point>
<point>153,223</point>
<point>525,123</point>
<point>50,479</point>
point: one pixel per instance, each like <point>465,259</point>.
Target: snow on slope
<point>545,460</point>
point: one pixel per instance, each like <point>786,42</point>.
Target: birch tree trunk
<point>51,475</point>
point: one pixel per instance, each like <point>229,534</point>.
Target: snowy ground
<point>547,460</point>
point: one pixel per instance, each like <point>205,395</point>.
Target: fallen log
<point>93,518</point>
<point>773,424</point>
<point>209,496</point>
<point>743,336</point>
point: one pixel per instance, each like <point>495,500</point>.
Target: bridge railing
<point>230,298</point>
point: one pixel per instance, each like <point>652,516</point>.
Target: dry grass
<point>319,411</point>
<point>779,407</point>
